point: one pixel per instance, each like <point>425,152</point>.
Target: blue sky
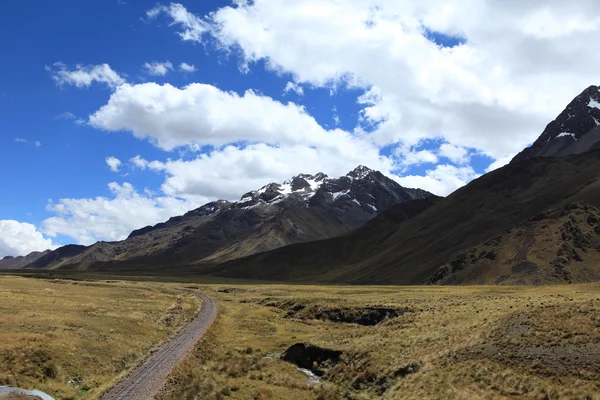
<point>427,104</point>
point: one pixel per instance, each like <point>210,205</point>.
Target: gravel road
<point>147,380</point>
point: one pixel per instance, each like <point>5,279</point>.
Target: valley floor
<point>474,342</point>
<point>73,339</point>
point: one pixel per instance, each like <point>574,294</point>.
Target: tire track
<point>147,380</point>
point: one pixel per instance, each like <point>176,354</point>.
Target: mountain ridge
<point>304,207</point>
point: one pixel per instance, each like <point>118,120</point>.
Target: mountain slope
<point>482,210</point>
<point>576,130</point>
<point>560,244</point>
<point>304,208</point>
<point>21,261</point>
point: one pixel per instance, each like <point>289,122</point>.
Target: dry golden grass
<point>73,339</point>
<point>476,342</point>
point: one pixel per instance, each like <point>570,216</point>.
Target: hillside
<point>560,244</point>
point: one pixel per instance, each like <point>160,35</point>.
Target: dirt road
<point>147,380</point>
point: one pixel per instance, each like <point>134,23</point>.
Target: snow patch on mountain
<point>565,134</point>
<point>594,104</point>
<point>337,195</point>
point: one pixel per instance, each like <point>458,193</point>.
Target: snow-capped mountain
<point>303,208</point>
<point>368,189</point>
<point>576,130</point>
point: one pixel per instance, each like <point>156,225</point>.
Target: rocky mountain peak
<point>359,172</point>
<point>575,130</point>
<point>373,195</point>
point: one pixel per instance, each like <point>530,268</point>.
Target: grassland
<point>476,342</point>
<point>73,339</point>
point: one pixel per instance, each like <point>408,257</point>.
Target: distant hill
<point>9,262</point>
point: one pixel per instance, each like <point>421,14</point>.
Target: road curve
<point>147,380</point>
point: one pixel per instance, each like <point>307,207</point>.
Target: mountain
<point>304,208</point>
<point>576,130</point>
<point>9,262</point>
<point>469,221</point>
<point>309,260</point>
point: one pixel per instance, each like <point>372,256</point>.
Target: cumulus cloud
<point>113,163</point>
<point>410,157</point>
<point>294,87</point>
<point>88,220</point>
<point>190,26</point>
<point>441,180</point>
<point>185,67</point>
<point>456,154</point>
<point>157,68</point>
<point>513,72</point>
<point>21,238</point>
<point>84,76</point>
<point>201,114</point>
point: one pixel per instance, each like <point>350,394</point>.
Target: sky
<point>117,114</point>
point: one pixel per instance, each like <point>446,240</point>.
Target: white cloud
<point>200,114</point>
<point>456,154</point>
<point>157,68</point>
<point>113,163</point>
<point>499,163</point>
<point>417,157</point>
<point>139,162</point>
<point>442,180</point>
<point>36,143</point>
<point>192,27</point>
<point>21,238</point>
<point>66,115</point>
<point>89,220</point>
<point>294,87</point>
<point>84,76</point>
<point>489,94</point>
<point>185,67</point>
<point>229,172</point>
